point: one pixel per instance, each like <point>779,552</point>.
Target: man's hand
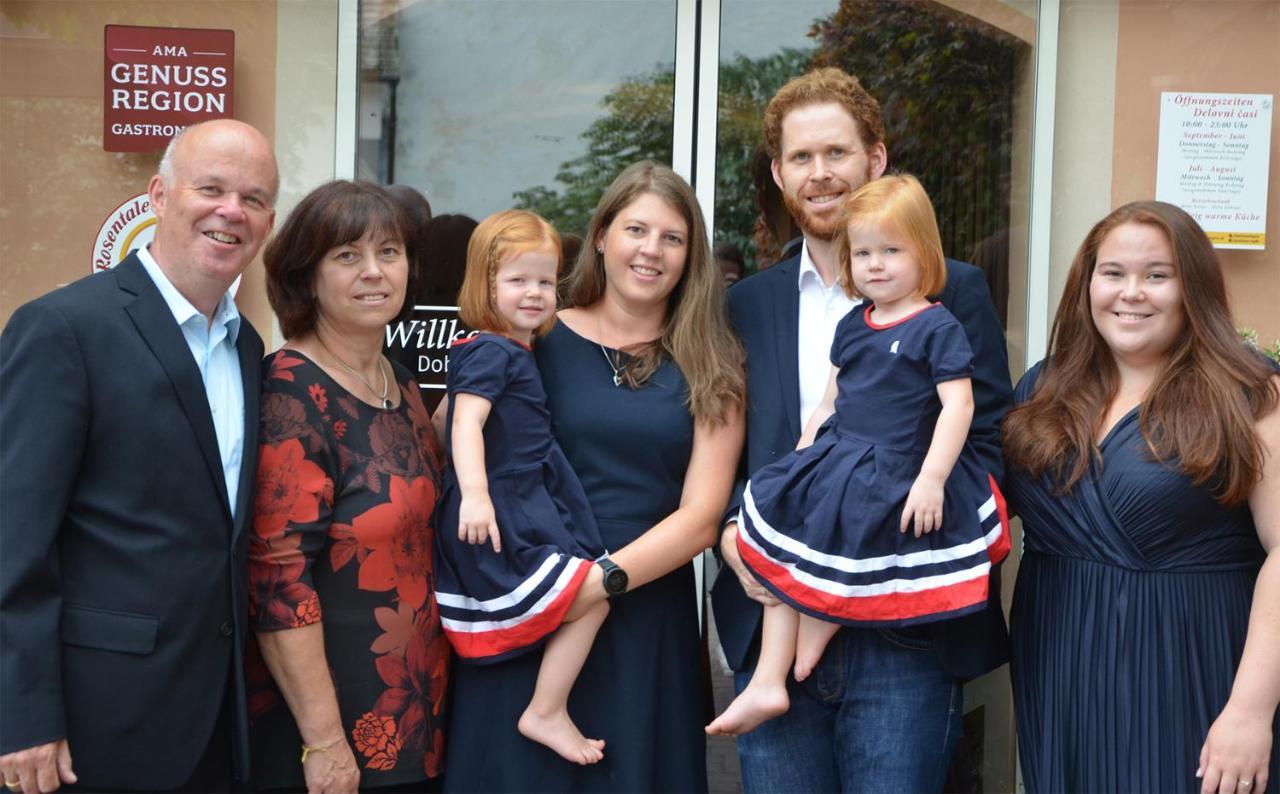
<point>729,553</point>
<point>38,769</point>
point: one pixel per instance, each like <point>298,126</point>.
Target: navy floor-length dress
<point>1129,620</point>
<point>642,689</point>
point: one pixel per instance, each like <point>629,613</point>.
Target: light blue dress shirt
<point>213,346</point>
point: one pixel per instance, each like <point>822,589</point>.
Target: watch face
<point>615,581</point>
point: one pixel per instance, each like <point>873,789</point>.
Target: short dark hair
<point>333,214</point>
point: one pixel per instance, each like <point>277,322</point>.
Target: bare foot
<point>558,732</point>
<point>757,703</point>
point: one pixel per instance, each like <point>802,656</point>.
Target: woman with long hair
<point>1142,458</point>
<point>645,387</point>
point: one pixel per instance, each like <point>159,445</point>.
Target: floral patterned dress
<point>343,534</point>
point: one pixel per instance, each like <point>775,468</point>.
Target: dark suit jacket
<point>765,311</point>
<point>122,587</point>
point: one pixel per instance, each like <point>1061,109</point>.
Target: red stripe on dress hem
<point>887,607</point>
<point>482,644</point>
<point>1000,549</point>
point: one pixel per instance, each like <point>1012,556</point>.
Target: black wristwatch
<point>615,579</point>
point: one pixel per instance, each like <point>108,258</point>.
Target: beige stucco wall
<point>1229,46</point>
<point>57,185</point>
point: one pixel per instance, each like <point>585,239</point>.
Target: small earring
<point>600,250</point>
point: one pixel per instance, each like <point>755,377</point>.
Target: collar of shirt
<point>809,272</point>
<point>226,314</point>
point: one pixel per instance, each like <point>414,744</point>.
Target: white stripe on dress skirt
<point>920,584</point>
<point>507,600</point>
<point>914,559</point>
<point>474,626</point>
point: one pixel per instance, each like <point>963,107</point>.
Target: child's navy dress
<point>495,605</point>
<point>819,527</point>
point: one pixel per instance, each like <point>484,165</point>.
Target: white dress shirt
<point>213,346</point>
<point>821,309</point>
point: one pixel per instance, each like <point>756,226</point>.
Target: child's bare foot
<point>558,732</point>
<point>757,703</point>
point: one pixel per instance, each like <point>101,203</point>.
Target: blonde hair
<point>697,336</point>
<point>499,238</point>
<point>898,202</point>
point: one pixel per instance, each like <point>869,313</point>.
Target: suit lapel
<point>250,354</point>
<point>155,323</point>
<point>786,307</point>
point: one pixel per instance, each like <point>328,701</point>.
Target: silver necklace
<point>618,368</point>
<point>386,386</point>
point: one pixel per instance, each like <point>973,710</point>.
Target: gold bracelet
<point>320,748</point>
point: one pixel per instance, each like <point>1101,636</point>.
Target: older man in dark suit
<point>128,438</point>
<point>882,710</point>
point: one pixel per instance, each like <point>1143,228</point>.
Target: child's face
<point>884,268</point>
<point>525,290</point>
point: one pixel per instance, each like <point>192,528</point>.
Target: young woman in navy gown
<point>1144,459</point>
<point>645,386</point>
<point>887,517</point>
<point>510,486</point>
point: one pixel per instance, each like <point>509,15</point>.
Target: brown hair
<point>1200,410</point>
<point>817,87</point>
<point>499,238</point>
<point>336,213</point>
<point>898,202</point>
<point>697,335</point>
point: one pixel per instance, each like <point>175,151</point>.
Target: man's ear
<point>776,170</point>
<point>158,193</point>
<point>879,160</point>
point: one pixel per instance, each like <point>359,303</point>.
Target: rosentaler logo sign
<point>159,80</point>
<point>129,226</point>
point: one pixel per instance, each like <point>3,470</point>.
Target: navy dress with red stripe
<point>819,527</point>
<point>496,605</point>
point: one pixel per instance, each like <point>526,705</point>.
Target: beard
<point>820,227</point>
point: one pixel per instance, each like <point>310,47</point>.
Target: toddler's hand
<point>477,522</point>
<point>923,507</point>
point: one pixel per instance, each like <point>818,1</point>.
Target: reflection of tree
<point>636,125</point>
<point>945,82</point>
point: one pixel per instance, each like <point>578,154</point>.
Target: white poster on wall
<point>1213,162</point>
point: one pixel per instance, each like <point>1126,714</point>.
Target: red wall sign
<point>159,80</point>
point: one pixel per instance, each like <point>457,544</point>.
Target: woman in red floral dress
<point>340,569</point>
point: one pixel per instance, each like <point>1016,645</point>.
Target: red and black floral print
<point>342,534</point>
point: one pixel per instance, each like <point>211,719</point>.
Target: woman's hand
<point>1237,751</point>
<point>477,522</point>
<point>332,770</point>
<point>924,506</point>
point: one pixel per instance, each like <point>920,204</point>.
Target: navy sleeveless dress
<point>819,527</point>
<point>1129,619</point>
<point>643,688</point>
<point>494,605</point>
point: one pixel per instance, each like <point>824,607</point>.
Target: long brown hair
<point>1201,409</point>
<point>697,336</point>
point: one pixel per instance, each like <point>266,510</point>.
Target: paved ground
<point>723,776</point>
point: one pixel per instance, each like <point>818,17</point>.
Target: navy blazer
<point>765,311</point>
<point>122,584</point>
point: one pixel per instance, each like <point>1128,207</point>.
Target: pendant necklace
<point>382,398</point>
<point>620,365</point>
<point>618,368</point>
